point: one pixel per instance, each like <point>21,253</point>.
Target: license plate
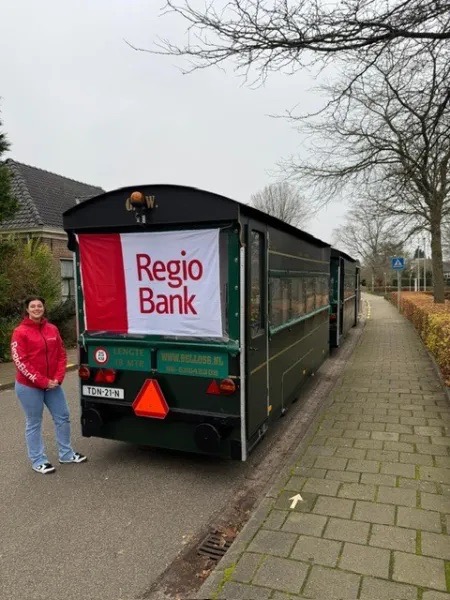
<point>103,392</point>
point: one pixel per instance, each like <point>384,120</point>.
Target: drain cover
<point>214,546</point>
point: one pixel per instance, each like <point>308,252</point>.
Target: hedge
<point>432,321</point>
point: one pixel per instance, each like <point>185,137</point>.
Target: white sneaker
<point>75,458</point>
<point>44,468</point>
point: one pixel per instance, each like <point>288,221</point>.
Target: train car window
<point>256,282</point>
<point>321,292</point>
<point>310,294</point>
<point>298,297</point>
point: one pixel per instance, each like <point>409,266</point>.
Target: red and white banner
<point>162,283</point>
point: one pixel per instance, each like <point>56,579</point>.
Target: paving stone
<point>335,442</point>
<point>399,469</point>
<point>394,538</point>
<point>240,591</point>
<point>347,476</point>
<point>246,567</point>
<point>399,428</point>
<point>419,519</point>
<point>399,446</point>
<point>435,474</point>
<point>357,491</point>
<point>321,486</point>
<point>428,431</point>
<point>365,560</point>
<point>284,501</point>
<point>347,531</point>
<point>281,574</point>
<point>413,421</point>
<point>283,596</point>
<point>415,458</point>
<point>414,439</point>
<point>442,441</point>
<point>363,466</point>
<point>382,455</point>
<point>435,596</point>
<point>432,449</point>
<point>316,551</point>
<point>442,461</point>
<point>387,419</point>
<point>378,479</point>
<point>356,435</point>
<point>330,462</point>
<point>310,472</point>
<point>278,543</point>
<point>435,502</point>
<point>350,453</point>
<point>372,427</point>
<point>374,513</point>
<point>319,451</point>
<point>401,496</point>
<point>385,436</point>
<point>295,483</point>
<point>331,583</point>
<point>334,507</point>
<point>305,523</point>
<point>419,570</point>
<point>435,545</point>
<point>417,484</point>
<point>275,519</point>
<point>379,589</point>
<point>370,444</point>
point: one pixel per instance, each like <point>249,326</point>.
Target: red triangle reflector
<point>213,388</point>
<point>150,401</point>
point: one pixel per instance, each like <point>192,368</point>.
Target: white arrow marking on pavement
<point>295,499</point>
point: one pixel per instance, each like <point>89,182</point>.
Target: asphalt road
<point>104,529</point>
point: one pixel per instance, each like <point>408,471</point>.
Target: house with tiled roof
<point>42,198</point>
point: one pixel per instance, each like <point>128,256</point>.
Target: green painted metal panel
<point>129,358</point>
<point>197,364</point>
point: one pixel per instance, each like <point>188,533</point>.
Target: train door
<point>257,389</point>
<point>341,277</point>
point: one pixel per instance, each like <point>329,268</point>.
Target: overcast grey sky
<point>76,100</point>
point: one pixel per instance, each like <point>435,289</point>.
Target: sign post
<point>398,264</point>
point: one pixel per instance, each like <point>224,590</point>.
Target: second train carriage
<point>199,317</point>
<point>344,295</point>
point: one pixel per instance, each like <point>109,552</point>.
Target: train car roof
<point>106,211</point>
<point>336,253</point>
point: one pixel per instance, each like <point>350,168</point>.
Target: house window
<point>67,279</point>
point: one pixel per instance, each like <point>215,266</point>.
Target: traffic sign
<point>398,263</point>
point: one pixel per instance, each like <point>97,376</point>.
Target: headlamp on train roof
<point>137,200</point>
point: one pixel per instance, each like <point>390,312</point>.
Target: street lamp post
<point>424,266</point>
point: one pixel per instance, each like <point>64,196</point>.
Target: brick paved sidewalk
<point>374,475</point>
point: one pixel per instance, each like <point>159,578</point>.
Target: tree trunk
<point>436,259</point>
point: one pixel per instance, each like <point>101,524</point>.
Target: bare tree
<point>371,237</point>
<point>387,134</point>
<point>275,34</point>
<point>284,201</point>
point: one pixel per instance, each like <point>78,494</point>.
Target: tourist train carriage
<point>199,317</point>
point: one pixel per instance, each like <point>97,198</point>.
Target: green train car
<point>344,295</point>
<point>199,317</point>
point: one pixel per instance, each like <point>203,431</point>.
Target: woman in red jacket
<point>40,358</point>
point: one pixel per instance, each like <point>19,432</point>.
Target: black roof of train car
<point>335,253</point>
<point>187,205</point>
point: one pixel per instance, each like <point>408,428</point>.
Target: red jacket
<point>38,352</point>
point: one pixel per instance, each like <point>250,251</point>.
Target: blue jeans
<point>32,401</point>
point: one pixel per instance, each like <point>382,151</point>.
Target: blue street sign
<point>398,263</point>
